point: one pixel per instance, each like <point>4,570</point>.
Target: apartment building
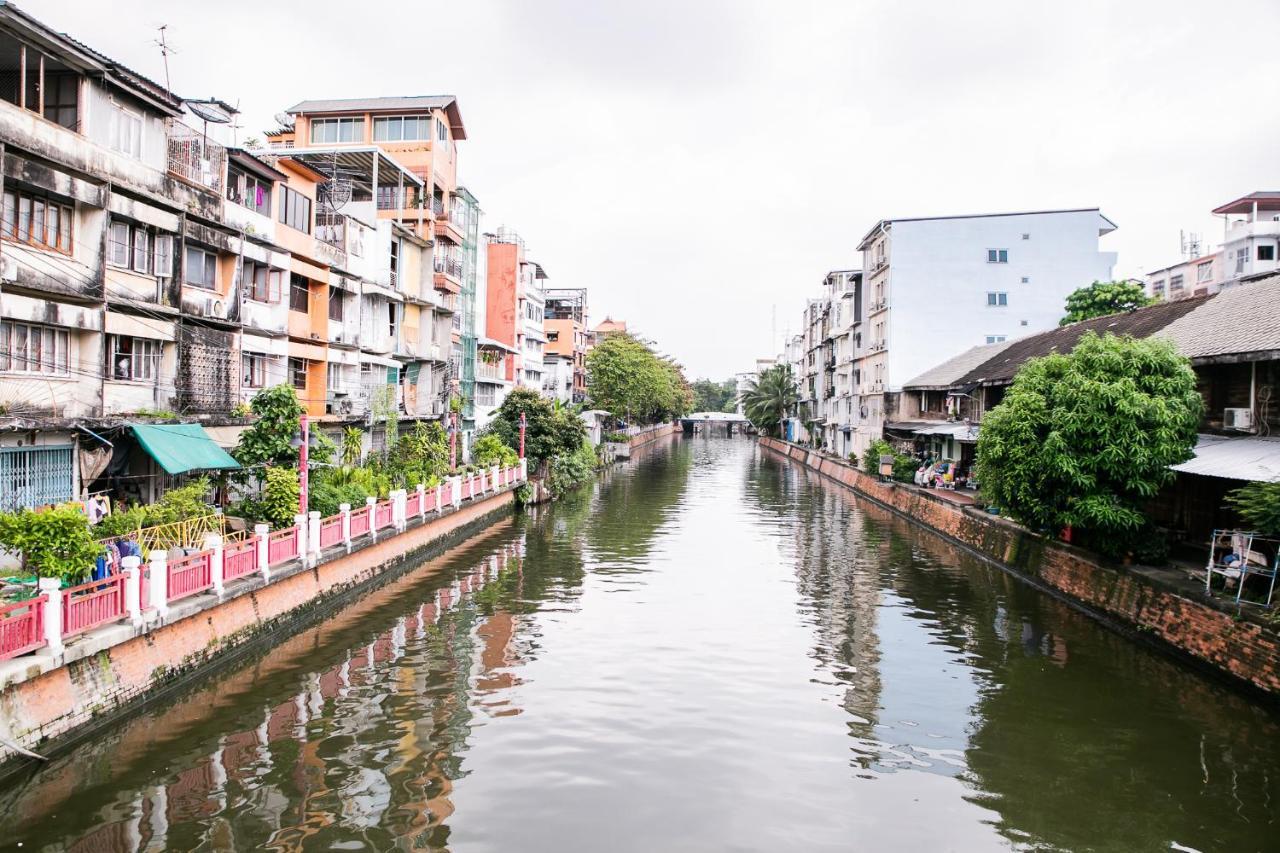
<point>843,291</point>
<point>531,338</point>
<point>1250,236</point>
<point>934,287</point>
<point>565,357</point>
<point>1194,276</point>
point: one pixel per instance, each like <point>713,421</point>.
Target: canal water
<point>710,649</point>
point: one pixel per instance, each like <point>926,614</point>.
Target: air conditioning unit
<point>215,308</point>
<point>1241,419</point>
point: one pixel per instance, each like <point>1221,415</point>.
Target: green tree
<point>627,379</point>
<point>489,449</point>
<point>269,439</point>
<point>1086,439</point>
<point>1104,297</point>
<point>280,496</point>
<point>769,398</point>
<point>709,396</point>
<point>1259,505</point>
<point>551,431</point>
<point>54,543</point>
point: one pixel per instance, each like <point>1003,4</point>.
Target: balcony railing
<point>448,301</point>
<point>437,207</point>
<point>196,158</point>
<point>449,266</point>
<point>331,228</point>
<point>493,372</point>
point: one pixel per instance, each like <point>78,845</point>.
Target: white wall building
<point>934,287</point>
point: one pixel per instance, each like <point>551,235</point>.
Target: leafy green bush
<point>616,437</point>
<point>280,494</point>
<point>326,496</point>
<point>571,470</point>
<point>174,505</point>
<point>551,431</point>
<point>1259,505</point>
<point>352,446</point>
<point>490,450</point>
<point>55,543</point>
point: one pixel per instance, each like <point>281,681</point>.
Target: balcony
<point>448,302</point>
<point>491,372</point>
<point>331,228</point>
<point>878,305</point>
<point>450,267</point>
<point>195,158</point>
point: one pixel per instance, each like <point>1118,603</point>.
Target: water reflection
<point>709,649</point>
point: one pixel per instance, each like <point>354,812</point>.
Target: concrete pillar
<point>131,568</point>
<point>457,492</point>
<point>524,470</point>
<point>439,495</point>
<point>160,582</point>
<point>300,531</point>
<point>345,509</point>
<point>51,588</point>
<point>370,503</point>
<point>263,532</point>
<point>422,501</point>
<point>213,542</point>
<point>399,498</point>
<point>497,477</point>
<point>313,537</point>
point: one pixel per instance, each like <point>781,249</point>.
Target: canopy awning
<point>1244,458</point>
<point>179,448</point>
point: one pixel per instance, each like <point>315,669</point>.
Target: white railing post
<point>371,503</point>
<point>524,470</point>
<point>51,588</point>
<point>457,492</point>
<point>345,509</point>
<point>439,495</point>
<point>160,582</point>
<point>300,531</point>
<point>213,542</point>
<point>422,501</point>
<point>483,481</point>
<point>398,500</point>
<point>263,532</point>
<point>313,537</point>
<point>131,568</point>
<point>497,477</point>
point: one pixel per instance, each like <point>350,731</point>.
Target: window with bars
<point>38,220</point>
<point>298,373</point>
<point>249,190</point>
<point>133,359</point>
<point>261,283</point>
<point>299,293</point>
<point>337,304</point>
<point>253,370</point>
<point>32,477</point>
<point>27,348</point>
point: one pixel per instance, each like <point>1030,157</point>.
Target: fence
<point>331,531</point>
<point>92,604</point>
<point>282,545</point>
<point>89,605</point>
<point>190,575</point>
<point>22,627</point>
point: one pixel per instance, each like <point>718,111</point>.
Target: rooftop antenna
<point>1190,244</point>
<point>165,50</point>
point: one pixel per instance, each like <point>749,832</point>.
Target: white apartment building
<point>844,292</point>
<point>1251,236</point>
<point>531,338</point>
<point>934,287</point>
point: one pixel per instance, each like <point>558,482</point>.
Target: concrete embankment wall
<point>1152,605</point>
<point>49,709</point>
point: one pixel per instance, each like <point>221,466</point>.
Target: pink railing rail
<point>331,531</point>
<point>381,515</point>
<point>282,545</point>
<point>22,627</point>
<point>413,505</point>
<point>190,575</point>
<point>446,493</point>
<point>240,559</point>
<point>466,488</point>
<point>92,604</point>
<point>429,501</point>
<point>359,522</point>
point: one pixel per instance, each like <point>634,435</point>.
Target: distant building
<point>1192,277</point>
<point>746,379</point>
<point>565,358</point>
<point>1251,236</point>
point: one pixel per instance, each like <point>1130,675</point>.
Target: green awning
<point>180,448</point>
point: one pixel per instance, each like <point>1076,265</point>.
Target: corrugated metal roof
<point>946,373</point>
<point>1242,318</point>
<point>1244,458</point>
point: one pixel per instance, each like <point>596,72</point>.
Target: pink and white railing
<point>25,625</point>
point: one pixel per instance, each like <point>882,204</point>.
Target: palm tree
<point>769,398</point>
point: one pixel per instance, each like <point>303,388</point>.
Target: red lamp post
<point>453,440</point>
<point>303,461</point>
<point>523,423</point>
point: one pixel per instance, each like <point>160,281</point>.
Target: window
<point>997,299</point>
<point>333,377</point>
<point>133,359</point>
<point>299,293</point>
<point>1204,273</point>
<point>143,250</point>
<point>249,190</point>
<point>201,268</point>
<point>126,130</point>
<point>38,220</point>
<point>39,83</point>
<point>298,373</point>
<point>33,477</point>
<point>337,300</point>
<point>997,256</point>
<point>1266,253</point>
<point>1242,256</point>
<point>260,282</point>
<point>337,130</point>
<point>25,348</point>
<point>996,339</point>
<point>1026,279</point>
<point>401,128</point>
<point>295,210</point>
<point>1026,236</point>
<point>1175,282</point>
<point>442,132</point>
<point>1157,290</point>
<point>253,370</point>
<point>393,319</point>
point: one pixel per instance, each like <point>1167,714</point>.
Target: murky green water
<point>713,650</point>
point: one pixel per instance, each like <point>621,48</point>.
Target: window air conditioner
<point>1241,419</point>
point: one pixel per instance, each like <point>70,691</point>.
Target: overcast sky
<point>695,164</point>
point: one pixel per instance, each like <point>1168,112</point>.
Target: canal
<point>710,649</point>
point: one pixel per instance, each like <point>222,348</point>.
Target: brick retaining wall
<point>1149,604</point>
<point>86,693</point>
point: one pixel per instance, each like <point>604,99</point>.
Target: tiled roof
<point>1142,323</point>
<point>946,373</point>
<point>1244,318</point>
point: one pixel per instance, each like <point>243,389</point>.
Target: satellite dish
<point>335,193</point>
<point>209,112</point>
<point>283,119</point>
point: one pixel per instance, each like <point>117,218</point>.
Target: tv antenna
<point>1190,244</point>
<point>165,50</point>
